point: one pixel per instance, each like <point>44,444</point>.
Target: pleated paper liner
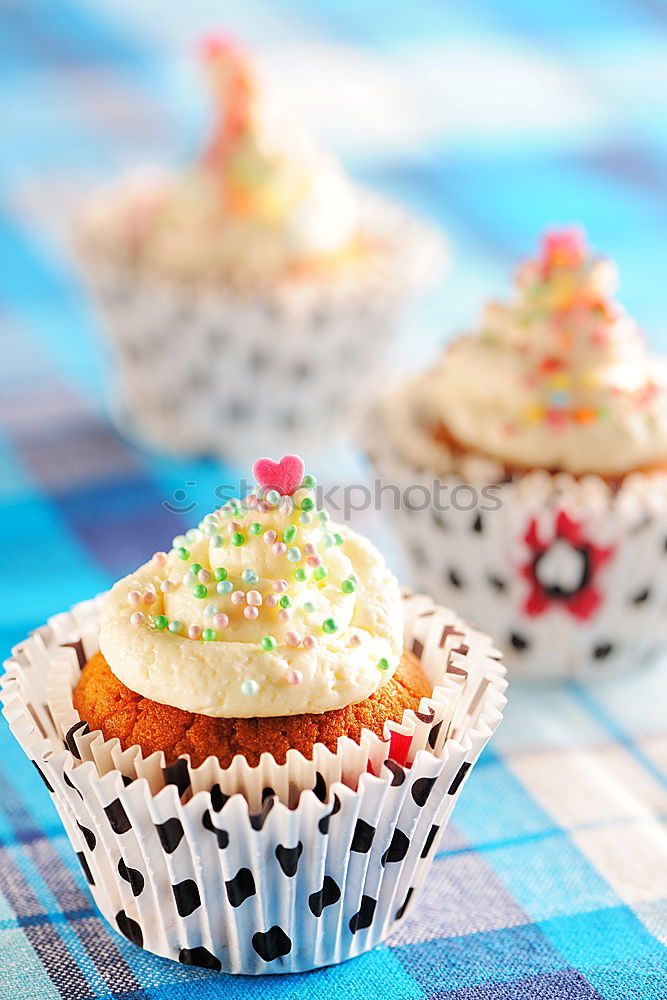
<point>271,869</point>
<point>184,355</point>
<point>502,558</point>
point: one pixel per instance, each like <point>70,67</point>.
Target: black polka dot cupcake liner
<point>569,575</point>
<point>270,869</point>
<point>231,374</point>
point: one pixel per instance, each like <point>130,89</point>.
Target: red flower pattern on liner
<point>579,595</point>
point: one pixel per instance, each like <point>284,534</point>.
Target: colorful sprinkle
<point>250,612</point>
<point>195,568</point>
<point>348,586</point>
<point>268,643</point>
<point>294,554</point>
<point>307,504</point>
<point>220,573</point>
<point>284,615</point>
<point>285,601</point>
<point>280,586</point>
<point>200,591</point>
<point>279,549</point>
<point>134,598</point>
<point>238,538</point>
<point>329,626</point>
<point>217,541</point>
<point>308,482</point>
<point>272,496</point>
<point>292,639</point>
<point>308,642</point>
<point>383,663</point>
<point>315,561</point>
<point>289,534</point>
<point>256,528</point>
<point>221,620</point>
<point>161,622</point>
<point>249,576</point>
<point>308,607</point>
<point>194,632</point>
<point>305,518</point>
<point>338,539</point>
<point>175,626</point>
<point>209,635</point>
<point>225,587</point>
<point>150,597</point>
<point>204,576</point>
<point>238,597</point>
<point>300,575</point>
<point>249,686</point>
<point>159,558</point>
<point>167,586</point>
<point>254,598</point>
<point>182,552</point>
<point>210,610</point>
<point>294,677</point>
<point>320,571</point>
<point>137,618</point>
<point>270,536</point>
<point>271,600</point>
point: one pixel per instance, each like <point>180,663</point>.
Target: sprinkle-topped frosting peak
<point>266,608</point>
<point>557,378</point>
<point>262,202</point>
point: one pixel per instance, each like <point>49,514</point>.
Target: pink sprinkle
<point>279,549</point>
<point>134,597</point>
<point>315,560</point>
<point>264,506</point>
<point>284,615</point>
<point>251,501</point>
<point>136,618</point>
<point>167,586</point>
<point>150,597</point>
<point>294,677</point>
<point>204,576</point>
<point>220,620</point>
<point>355,641</point>
<point>234,526</point>
<point>286,505</point>
<point>271,600</point>
<point>160,558</point>
<point>194,632</point>
<point>308,642</point>
<point>254,597</point>
<point>280,586</point>
<point>270,536</point>
<point>292,639</point>
<point>251,613</point>
<point>309,549</point>
<point>238,597</point>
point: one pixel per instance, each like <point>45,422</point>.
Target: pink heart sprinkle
<point>284,476</point>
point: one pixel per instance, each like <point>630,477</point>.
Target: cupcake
<point>255,740</point>
<point>253,293</point>
<point>533,459</point>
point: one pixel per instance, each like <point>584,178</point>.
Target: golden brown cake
<point>108,705</point>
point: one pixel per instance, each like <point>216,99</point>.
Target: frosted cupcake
<point>263,737</point>
<point>260,269</point>
<point>555,416</point>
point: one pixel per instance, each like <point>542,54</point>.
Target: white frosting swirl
<point>336,640</point>
<point>557,379</point>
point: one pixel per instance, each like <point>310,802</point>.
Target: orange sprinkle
<point>585,415</point>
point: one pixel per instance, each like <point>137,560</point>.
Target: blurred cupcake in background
<point>250,298</point>
<point>536,450</point>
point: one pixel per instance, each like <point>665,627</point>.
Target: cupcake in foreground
<point>541,440</point>
<point>263,737</point>
<point>260,264</point>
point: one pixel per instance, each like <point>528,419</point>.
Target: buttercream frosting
<point>558,378</point>
<point>266,608</point>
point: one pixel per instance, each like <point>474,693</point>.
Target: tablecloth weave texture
<point>493,118</point>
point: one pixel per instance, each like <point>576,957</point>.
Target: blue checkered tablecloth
<point>494,118</point>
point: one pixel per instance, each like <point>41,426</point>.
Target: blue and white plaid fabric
<point>494,119</point>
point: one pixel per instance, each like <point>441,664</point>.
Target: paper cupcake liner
<point>265,870</point>
<point>211,371</point>
<point>569,575</point>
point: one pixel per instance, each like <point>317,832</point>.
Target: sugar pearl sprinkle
<point>243,594</point>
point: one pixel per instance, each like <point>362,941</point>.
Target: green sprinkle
<point>329,625</point>
<point>182,552</point>
<point>285,601</point>
<point>268,643</point>
<point>195,568</point>
<point>300,575</point>
<point>383,663</point>
<point>307,504</point>
<point>175,626</point>
<point>200,591</point>
<point>308,482</point>
<point>256,528</point>
<point>338,539</point>
<point>320,572</point>
<point>348,586</point>
<point>161,622</point>
<point>249,686</point>
<point>209,635</point>
<point>324,516</point>
<point>289,534</point>
<point>308,607</point>
<point>238,538</point>
<point>220,573</point>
